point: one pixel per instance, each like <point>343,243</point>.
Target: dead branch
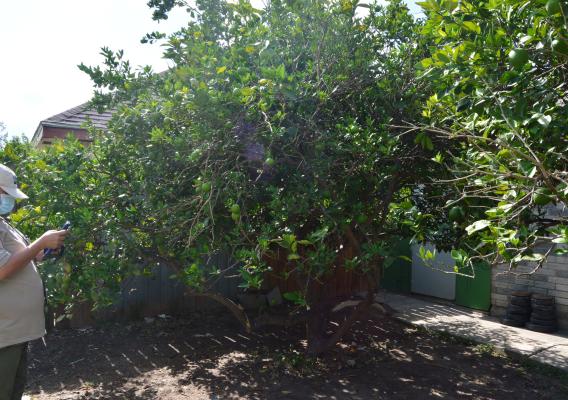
<point>236,309</point>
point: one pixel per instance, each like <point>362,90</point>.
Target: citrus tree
<point>269,141</point>
<point>64,182</point>
<point>498,71</point>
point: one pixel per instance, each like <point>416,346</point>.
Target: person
<point>22,317</point>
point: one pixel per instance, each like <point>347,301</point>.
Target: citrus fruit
<point>553,7</point>
<point>457,214</point>
<point>518,57</point>
<point>206,187</point>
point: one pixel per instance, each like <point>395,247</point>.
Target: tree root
<point>316,320</point>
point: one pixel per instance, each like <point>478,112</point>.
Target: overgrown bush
<point>268,140</point>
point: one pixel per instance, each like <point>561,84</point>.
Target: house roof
<point>74,118</point>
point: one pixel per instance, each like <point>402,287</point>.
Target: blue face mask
<point>7,204</point>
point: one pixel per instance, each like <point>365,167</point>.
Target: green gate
<point>475,292</point>
<point>397,276</point>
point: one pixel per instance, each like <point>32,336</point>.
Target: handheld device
<point>48,252</point>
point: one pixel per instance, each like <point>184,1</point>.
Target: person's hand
<point>53,239</point>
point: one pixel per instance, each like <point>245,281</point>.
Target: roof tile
<point>76,116</point>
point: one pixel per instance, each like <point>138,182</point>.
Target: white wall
<point>431,280</point>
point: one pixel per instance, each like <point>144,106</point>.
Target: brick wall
<point>551,279</point>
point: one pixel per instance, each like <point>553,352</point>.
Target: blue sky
<point>44,41</point>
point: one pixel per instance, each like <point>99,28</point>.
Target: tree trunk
<point>319,341</point>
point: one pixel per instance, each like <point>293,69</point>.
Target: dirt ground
<point>208,357</point>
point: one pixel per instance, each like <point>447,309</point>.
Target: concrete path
<point>551,349</point>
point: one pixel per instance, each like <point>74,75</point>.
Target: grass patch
<point>489,349</point>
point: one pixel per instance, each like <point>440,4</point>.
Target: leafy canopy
<point>499,71</point>
<point>268,137</point>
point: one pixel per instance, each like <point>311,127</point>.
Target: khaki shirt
<point>21,295</point>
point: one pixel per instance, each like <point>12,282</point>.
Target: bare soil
<point>208,357</point>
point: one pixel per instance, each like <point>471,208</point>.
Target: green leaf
<point>443,57</point>
<point>425,63</point>
<point>542,119</point>
<point>295,297</point>
<point>423,140</point>
<point>438,158</point>
<point>505,207</point>
<point>247,91</point>
<point>472,26</point>
<point>458,255</point>
<point>429,5</point>
<point>281,72</point>
<point>319,235</point>
<point>532,257</point>
<point>158,135</point>
<point>291,295</point>
<point>428,143</point>
<point>477,226</point>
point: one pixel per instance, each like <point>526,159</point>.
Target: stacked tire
<point>519,309</point>
<point>543,315</point>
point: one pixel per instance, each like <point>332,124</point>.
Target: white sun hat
<point>9,183</point>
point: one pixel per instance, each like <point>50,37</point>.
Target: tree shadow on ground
<point>208,357</point>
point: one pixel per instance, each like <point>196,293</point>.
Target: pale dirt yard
<point>207,356</point>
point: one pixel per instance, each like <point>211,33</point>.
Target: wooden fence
<point>146,296</point>
<point>341,283</point>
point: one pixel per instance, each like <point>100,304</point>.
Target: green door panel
<point>397,276</point>
<point>475,292</point>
